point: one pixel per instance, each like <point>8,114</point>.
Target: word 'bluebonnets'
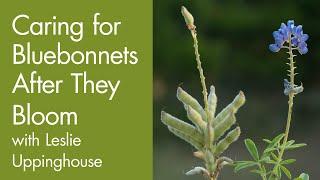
<point>291,34</point>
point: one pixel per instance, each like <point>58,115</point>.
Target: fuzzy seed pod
<point>212,100</point>
<point>210,161</point>
<point>199,154</point>
<point>197,170</point>
<point>183,130</point>
<point>231,137</point>
<point>188,18</point>
<point>224,125</point>
<point>196,118</point>
<point>188,100</point>
<point>233,107</point>
<point>188,137</point>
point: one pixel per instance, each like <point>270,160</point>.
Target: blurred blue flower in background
<point>290,32</point>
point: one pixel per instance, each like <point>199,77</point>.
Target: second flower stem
<point>290,105</point>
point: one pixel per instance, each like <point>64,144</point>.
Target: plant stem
<point>204,87</point>
<point>213,174</point>
<point>263,176</point>
<point>290,105</point>
<point>290,102</point>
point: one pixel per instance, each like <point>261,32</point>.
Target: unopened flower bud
<point>188,18</point>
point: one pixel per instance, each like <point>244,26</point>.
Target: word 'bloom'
<point>289,32</point>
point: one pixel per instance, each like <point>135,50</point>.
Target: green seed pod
<point>196,118</point>
<point>188,18</point>
<point>224,125</point>
<point>197,170</point>
<point>210,161</point>
<point>231,137</point>
<point>233,107</point>
<point>199,154</point>
<point>188,137</point>
<point>212,100</point>
<point>188,100</point>
<point>182,129</point>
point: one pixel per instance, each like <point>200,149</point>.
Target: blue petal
<point>304,37</point>
<point>274,48</point>
<point>302,47</point>
<point>295,41</point>
<point>302,44</point>
<point>283,26</point>
<point>276,35</point>
<point>290,25</point>
<point>279,41</point>
<point>303,50</point>
<point>299,30</point>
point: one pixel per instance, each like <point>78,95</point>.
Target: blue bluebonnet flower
<point>291,32</point>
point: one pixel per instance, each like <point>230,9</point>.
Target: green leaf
<point>294,146</point>
<point>303,176</point>
<point>289,143</point>
<point>278,172</point>
<point>266,151</point>
<point>265,159</point>
<point>272,162</point>
<point>288,161</point>
<point>275,140</point>
<point>257,171</point>
<point>267,141</point>
<point>286,171</point>
<point>244,164</point>
<point>252,149</point>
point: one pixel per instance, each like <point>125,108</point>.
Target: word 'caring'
<point>23,25</point>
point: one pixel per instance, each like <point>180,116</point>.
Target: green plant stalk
<point>290,104</point>
<point>204,87</point>
<point>209,134</point>
<point>263,176</point>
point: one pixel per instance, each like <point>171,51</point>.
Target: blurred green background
<point>234,36</point>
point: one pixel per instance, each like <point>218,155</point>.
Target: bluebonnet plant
<point>210,133</point>
<point>290,33</point>
<point>270,165</point>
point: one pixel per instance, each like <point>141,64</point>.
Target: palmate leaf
<point>273,144</point>
<point>251,147</point>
